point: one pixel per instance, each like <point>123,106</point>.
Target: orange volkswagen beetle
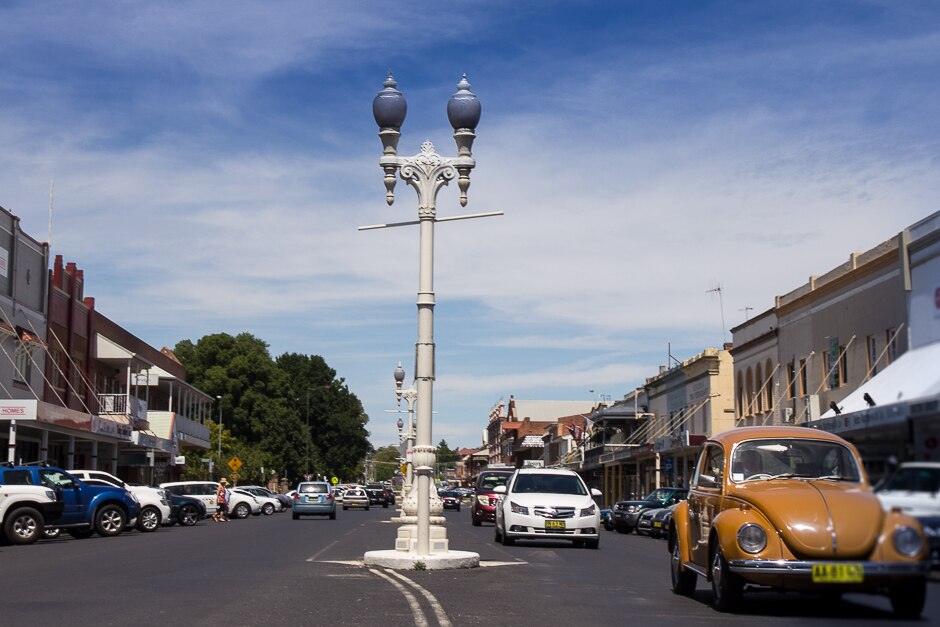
<point>790,508</point>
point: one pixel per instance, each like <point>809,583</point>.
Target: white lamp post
<point>219,398</point>
<point>410,395</point>
<point>427,172</point>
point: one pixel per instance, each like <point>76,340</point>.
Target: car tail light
<point>329,497</point>
<point>296,495</point>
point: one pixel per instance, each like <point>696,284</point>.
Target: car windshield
<point>659,495</point>
<point>549,484</point>
<point>914,479</point>
<point>793,458</point>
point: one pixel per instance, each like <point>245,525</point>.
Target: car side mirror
<point>707,481</point>
<point>500,489</point>
<point>596,492</point>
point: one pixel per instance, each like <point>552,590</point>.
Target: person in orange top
<point>221,500</point>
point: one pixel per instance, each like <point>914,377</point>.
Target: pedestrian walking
<point>222,495</point>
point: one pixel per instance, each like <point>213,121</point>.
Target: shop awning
<point>914,375</point>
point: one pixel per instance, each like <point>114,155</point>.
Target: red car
<point>484,499</point>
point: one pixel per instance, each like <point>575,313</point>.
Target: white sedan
<point>547,504</point>
<point>269,504</point>
<point>356,497</point>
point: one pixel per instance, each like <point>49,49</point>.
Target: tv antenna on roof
<point>721,303</point>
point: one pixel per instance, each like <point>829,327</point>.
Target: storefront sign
<point>120,428</point>
<point>33,410</point>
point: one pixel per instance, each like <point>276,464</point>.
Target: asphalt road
<point>274,570</point>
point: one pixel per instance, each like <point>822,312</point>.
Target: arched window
<point>739,396</point>
<point>23,363</point>
<point>770,386</point>
<point>749,393</point>
<point>759,389</point>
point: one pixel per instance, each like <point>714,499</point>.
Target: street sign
<point>234,463</point>
<point>404,468</point>
<point>334,480</point>
<point>234,477</point>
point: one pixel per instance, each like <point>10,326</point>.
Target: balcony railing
<point>125,405</point>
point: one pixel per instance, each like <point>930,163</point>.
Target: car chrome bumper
<point>788,567</point>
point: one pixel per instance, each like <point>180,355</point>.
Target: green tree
<point>386,460</point>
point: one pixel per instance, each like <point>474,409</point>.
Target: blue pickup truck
<point>86,508</point>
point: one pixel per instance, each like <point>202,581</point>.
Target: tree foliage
<point>289,414</point>
<point>387,461</point>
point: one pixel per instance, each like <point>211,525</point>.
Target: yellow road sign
<point>404,468</point>
<point>234,476</point>
<point>334,480</point>
<point>234,463</point>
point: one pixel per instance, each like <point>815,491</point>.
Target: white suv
<point>24,511</point>
<point>154,506</point>
<point>547,504</point>
<point>914,488</point>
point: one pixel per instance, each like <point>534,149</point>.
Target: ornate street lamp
<point>427,172</point>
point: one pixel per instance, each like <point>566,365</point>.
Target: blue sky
<point>213,160</point>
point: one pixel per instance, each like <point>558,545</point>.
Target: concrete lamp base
<point>401,560</point>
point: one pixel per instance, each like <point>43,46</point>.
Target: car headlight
<point>50,495</point>
<point>589,511</point>
<point>518,509</point>
<point>483,499</point>
<point>631,509</point>
<point>752,538</point>
<point>907,541</point>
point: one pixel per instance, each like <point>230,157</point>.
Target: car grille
<point>553,512</point>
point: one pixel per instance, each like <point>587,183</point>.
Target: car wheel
<point>908,600</point>
<point>367,508</point>
<point>608,526</point>
<point>593,544</point>
<point>726,586</point>
<point>475,522</point>
<point>149,519</point>
<point>51,534</point>
<point>188,515</point>
<point>81,534</point>
<point>683,581</point>
<point>345,508</point>
<point>242,510</point>
<point>267,509</point>
<point>295,515</point>
<point>497,536</point>
<point>110,520</point>
<point>458,508</point>
<point>24,526</point>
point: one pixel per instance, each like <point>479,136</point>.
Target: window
<point>843,366</point>
<point>891,340</point>
<point>803,385</point>
<point>710,468</point>
<point>770,386</point>
<point>872,345</point>
<point>759,387</point>
<point>22,363</point>
<point>791,380</point>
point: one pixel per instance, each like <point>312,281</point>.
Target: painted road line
<point>438,609</point>
<point>420,619</point>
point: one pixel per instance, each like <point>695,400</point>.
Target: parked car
<point>186,510</point>
<point>355,497</point>
<point>154,508</point>
<point>450,499</point>
<point>241,505</point>
<point>25,510</point>
<point>626,513</point>
<point>644,524</point>
<point>485,497</point>
<point>314,498</point>
<point>607,519</point>
<point>790,508</point>
<point>86,508</point>
<point>660,522</point>
<point>269,504</point>
<point>914,488</point>
<point>541,503</point>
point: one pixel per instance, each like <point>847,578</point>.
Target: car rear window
<point>489,480</point>
<point>17,477</point>
<point>313,488</point>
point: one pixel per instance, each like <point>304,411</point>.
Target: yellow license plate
<point>657,524</point>
<point>838,573</point>
<point>554,524</point>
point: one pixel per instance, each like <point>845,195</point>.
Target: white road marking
<point>420,619</point>
<point>321,551</point>
<point>438,609</point>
